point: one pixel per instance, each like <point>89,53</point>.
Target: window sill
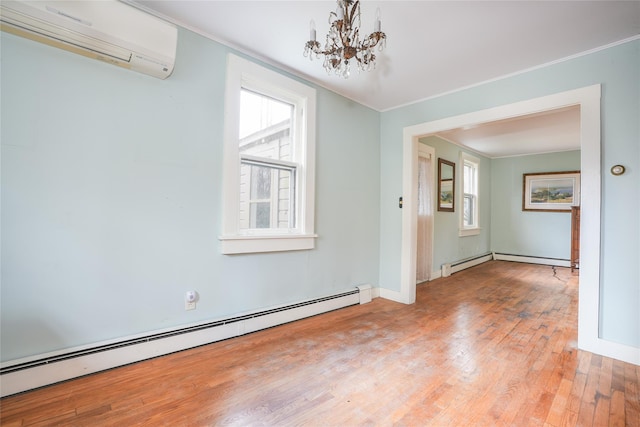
<point>258,244</point>
<point>464,232</point>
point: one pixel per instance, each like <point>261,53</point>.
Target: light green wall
<point>617,70</point>
<point>448,247</point>
<point>111,200</point>
<point>505,228</point>
<point>111,194</point>
<point>539,234</point>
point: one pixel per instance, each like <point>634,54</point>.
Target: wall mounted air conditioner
<point>110,31</point>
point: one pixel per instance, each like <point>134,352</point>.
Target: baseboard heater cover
<point>558,262</point>
<point>449,269</point>
<point>30,373</point>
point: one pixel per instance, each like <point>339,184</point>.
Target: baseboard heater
<point>449,269</point>
<point>558,262</point>
<point>38,371</point>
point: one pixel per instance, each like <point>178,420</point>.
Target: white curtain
<point>425,219</point>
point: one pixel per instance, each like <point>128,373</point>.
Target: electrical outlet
<point>190,299</point>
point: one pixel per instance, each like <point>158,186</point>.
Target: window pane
<point>468,179</point>
<point>260,182</point>
<point>265,126</point>
<point>266,196</point>
<point>261,214</point>
<point>468,210</point>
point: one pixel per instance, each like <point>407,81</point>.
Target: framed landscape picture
<point>550,191</point>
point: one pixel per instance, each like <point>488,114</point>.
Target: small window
<point>469,216</point>
<point>269,161</point>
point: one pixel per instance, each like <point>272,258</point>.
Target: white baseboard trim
<point>375,293</point>
<point>390,295</point>
<point>37,371</point>
<point>436,275</point>
<point>614,350</point>
<point>532,260</point>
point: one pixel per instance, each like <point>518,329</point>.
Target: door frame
<point>588,99</point>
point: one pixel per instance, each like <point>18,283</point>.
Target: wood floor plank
<point>632,395</point>
<point>559,404</point>
<point>577,391</point>
<point>616,413</point>
<point>494,345</point>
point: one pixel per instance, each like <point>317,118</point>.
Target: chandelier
<point>343,45</point>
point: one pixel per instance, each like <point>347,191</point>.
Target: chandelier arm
<point>343,41</point>
<point>355,7</point>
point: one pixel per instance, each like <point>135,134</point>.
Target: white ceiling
<point>546,132</point>
<point>433,47</point>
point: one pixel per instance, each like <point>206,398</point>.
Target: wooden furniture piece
<point>575,237</point>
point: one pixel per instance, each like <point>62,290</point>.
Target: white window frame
<point>245,74</point>
<point>472,230</point>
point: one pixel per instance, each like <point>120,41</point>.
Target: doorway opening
<point>588,99</point>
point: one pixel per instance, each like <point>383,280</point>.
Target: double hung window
<point>268,162</point>
<point>267,174</point>
<point>469,212</point>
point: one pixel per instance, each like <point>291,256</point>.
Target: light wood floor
<point>492,345</point>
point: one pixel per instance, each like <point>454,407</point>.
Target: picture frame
<point>550,191</point>
<point>446,185</point>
